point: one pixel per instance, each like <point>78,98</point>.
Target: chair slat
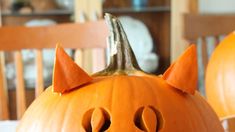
<point>94,9</point>
<point>87,60</point>
<point>78,57</point>
<point>80,14</point>
<point>39,77</point>
<point>203,25</point>
<point>4,110</point>
<point>217,41</point>
<point>204,52</point>
<point>98,59</point>
<point>20,87</point>
<point>96,56</point>
<point>80,10</point>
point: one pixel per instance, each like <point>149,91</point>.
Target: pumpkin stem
<point>122,58</point>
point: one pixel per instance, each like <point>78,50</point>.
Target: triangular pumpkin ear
<point>183,74</point>
<point>67,75</point>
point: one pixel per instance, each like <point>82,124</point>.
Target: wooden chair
<point>198,28</point>
<point>76,36</point>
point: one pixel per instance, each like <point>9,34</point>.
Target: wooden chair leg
<point>204,53</point>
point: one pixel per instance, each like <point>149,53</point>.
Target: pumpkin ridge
<point>157,104</point>
<point>56,107</point>
<point>112,93</point>
<point>132,90</point>
<point>45,103</point>
<point>132,86</point>
<point>69,105</point>
<point>113,105</point>
<point>194,105</point>
<point>152,89</point>
<point>206,104</point>
<point>225,103</point>
<point>199,111</point>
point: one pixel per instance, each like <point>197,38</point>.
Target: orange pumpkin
<point>220,77</point>
<point>121,98</point>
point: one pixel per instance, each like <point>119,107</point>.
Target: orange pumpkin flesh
<point>220,77</point>
<point>184,67</point>
<point>120,98</point>
<point>67,70</point>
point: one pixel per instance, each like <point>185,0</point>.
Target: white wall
<point>217,6</point>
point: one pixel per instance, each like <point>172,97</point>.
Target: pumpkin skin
<point>122,98</point>
<point>220,76</point>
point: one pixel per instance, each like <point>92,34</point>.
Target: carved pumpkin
<point>121,98</point>
<point>220,77</point>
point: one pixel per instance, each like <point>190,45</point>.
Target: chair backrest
<point>88,35</point>
<point>206,31</point>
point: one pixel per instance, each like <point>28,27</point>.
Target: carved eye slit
<point>148,119</point>
<point>96,120</point>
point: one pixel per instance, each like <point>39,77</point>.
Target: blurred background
<point>155,28</point>
<point>158,30</point>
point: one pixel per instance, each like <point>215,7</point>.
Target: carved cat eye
<point>148,119</point>
<point>96,120</point>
